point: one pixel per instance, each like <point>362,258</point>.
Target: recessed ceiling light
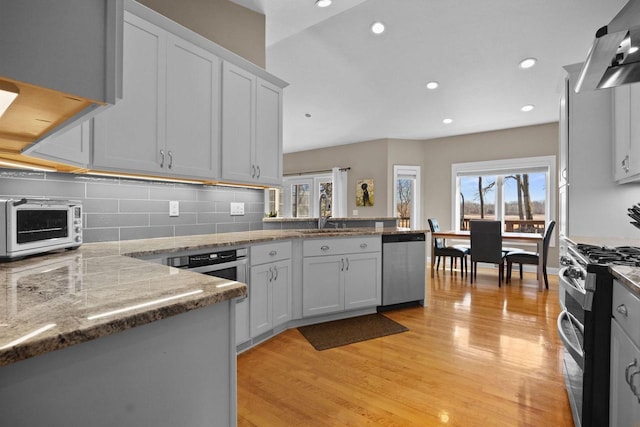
<point>323,3</point>
<point>433,85</point>
<point>528,63</point>
<point>377,28</point>
<point>633,49</point>
<point>447,121</point>
<point>528,108</point>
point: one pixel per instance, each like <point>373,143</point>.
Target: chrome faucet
<point>322,220</point>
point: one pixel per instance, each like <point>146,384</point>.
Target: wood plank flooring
<point>478,355</point>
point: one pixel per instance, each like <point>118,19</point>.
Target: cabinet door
<point>322,285</point>
<point>633,117</point>
<point>238,127</point>
<point>281,292</point>
<point>268,147</point>
<point>260,299</point>
<point>624,407</point>
<point>621,131</point>
<point>193,99</point>
<point>362,280</point>
<point>71,147</point>
<point>129,136</point>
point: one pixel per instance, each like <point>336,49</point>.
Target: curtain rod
<point>314,172</point>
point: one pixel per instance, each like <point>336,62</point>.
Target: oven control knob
<point>565,260</point>
<point>574,273</point>
<point>78,239</point>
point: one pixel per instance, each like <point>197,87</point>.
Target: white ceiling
<point>358,86</point>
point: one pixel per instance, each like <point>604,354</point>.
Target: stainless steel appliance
<point>403,269</point>
<point>228,264</point>
<point>33,226</point>
<point>584,325</point>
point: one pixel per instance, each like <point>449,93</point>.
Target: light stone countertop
<point>628,276</point>
<point>52,301</point>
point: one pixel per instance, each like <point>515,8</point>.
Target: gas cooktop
<point>620,255</point>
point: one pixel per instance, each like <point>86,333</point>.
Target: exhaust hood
<point>614,58</point>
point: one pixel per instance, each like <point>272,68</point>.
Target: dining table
<point>507,236</point>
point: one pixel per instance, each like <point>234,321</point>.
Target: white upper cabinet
<point>168,120</point>
<point>130,135</point>
<point>626,133</point>
<point>251,128</point>
<point>69,147</point>
<point>193,110</point>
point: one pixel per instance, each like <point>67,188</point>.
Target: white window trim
<point>416,217</point>
<point>502,167</point>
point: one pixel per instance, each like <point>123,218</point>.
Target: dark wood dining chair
<point>441,250</point>
<point>486,246</point>
<point>526,257</point>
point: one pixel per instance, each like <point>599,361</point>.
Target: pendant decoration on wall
<point>364,192</point>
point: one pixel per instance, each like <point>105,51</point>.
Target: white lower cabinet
<point>270,287</point>
<point>243,331</point>
<point>348,277</point>
<point>624,403</point>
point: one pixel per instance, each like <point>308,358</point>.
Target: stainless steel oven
<point>228,264</point>
<point>584,327</point>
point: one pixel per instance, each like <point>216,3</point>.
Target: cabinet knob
<point>273,253</point>
<point>324,248</point>
<point>622,309</point>
<point>363,245</point>
<point>161,158</point>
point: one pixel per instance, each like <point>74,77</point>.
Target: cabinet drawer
<point>626,310</point>
<point>352,245</point>
<point>270,252</point>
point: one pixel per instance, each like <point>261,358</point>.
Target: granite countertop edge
<point>627,275</point>
<point>107,262</point>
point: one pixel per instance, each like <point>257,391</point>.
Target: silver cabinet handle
<point>276,270</point>
<point>622,309</point>
<point>258,174</point>
<point>347,264</point>
<point>633,387</point>
<point>270,274</point>
<point>363,245</point>
<point>161,158</point>
<point>341,264</point>
<point>170,159</point>
<point>273,253</point>
<point>625,163</point>
<point>253,171</point>
<point>324,248</point>
<point>627,369</point>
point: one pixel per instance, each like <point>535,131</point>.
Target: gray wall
<point>125,209</point>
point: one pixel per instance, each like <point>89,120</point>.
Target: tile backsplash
<point>125,209</point>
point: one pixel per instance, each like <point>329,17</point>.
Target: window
<point>516,192</point>
<point>407,196</point>
<point>300,195</point>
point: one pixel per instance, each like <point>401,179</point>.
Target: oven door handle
<point>572,345</point>
<point>241,264</point>
<point>584,297</point>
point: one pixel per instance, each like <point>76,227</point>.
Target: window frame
<point>505,167</point>
<point>414,171</point>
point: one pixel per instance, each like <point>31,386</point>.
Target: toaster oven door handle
<point>571,343</point>
<point>25,200</point>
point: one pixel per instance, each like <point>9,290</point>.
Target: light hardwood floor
<point>478,355</point>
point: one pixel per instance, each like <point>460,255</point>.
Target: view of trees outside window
<point>300,201</point>
<point>403,201</point>
<point>524,201</point>
<point>325,207</point>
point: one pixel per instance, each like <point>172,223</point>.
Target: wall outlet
<point>355,212</point>
<point>174,208</point>
<point>237,208</point>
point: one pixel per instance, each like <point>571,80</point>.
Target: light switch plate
<point>237,208</point>
<point>355,212</point>
<point>174,208</point>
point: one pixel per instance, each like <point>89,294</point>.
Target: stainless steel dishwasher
<point>403,270</point>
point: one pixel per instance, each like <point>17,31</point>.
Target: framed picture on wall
<point>364,192</point>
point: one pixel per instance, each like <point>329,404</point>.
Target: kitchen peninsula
<point>137,342</point>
